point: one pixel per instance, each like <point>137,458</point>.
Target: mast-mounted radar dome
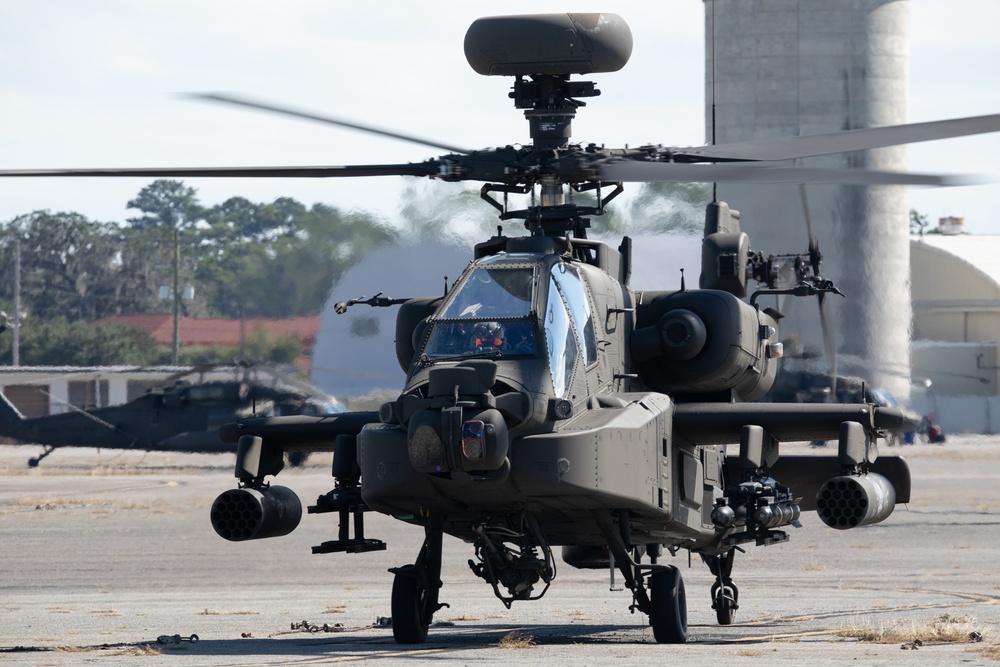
<point>553,44</point>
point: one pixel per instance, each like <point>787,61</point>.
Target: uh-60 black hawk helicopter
<point>547,403</point>
<point>182,413</point>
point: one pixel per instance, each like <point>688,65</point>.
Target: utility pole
<point>15,352</point>
<point>177,290</point>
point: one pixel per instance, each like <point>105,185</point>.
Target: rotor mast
<point>553,191</point>
<point>550,107</point>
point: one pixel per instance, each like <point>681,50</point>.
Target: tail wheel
<point>297,459</point>
<point>668,613</point>
<point>409,600</point>
<point>725,606</point>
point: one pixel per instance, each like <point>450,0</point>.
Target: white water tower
<point>789,67</point>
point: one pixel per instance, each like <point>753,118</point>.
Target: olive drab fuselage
<point>549,415</point>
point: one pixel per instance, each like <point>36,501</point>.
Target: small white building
<point>45,390</point>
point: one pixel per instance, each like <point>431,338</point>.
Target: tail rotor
<point>824,286</point>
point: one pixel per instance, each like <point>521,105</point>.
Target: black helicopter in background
<point>801,385</point>
<point>547,403</point>
<point>182,414</point>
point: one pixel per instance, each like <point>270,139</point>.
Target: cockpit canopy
<point>505,306</point>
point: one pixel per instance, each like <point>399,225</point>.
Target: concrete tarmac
<point>103,552</point>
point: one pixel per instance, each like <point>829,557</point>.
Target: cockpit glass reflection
<point>560,340</point>
<point>492,293</point>
<point>573,291</point>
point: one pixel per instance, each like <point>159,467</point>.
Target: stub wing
<point>722,423</point>
<point>299,432</point>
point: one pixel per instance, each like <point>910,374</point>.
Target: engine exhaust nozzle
<point>851,501</point>
<point>253,514</point>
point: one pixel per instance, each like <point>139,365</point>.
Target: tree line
<point>243,259</point>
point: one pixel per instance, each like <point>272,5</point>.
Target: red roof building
<point>194,332</point>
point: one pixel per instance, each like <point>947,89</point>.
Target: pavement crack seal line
<point>972,600</point>
<point>62,648</point>
<point>775,637</point>
<point>325,660</point>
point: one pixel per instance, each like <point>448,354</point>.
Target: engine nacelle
<point>253,514</point>
<point>704,342</point>
<point>851,501</point>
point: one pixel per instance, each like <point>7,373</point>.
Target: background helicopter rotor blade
<point>789,148</point>
<point>225,98</point>
<point>334,171</point>
<point>649,172</point>
<point>829,335</point>
<point>815,257</point>
<point>830,344</point>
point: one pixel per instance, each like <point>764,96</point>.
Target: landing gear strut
<point>665,601</point>
<point>415,588</point>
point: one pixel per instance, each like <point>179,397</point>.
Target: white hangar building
<point>955,288</point>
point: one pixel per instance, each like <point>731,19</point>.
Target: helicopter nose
<point>457,439</point>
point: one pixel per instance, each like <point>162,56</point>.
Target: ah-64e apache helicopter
<point>547,403</point>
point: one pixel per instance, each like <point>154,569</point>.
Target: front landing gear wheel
<point>409,601</point>
<point>668,611</point>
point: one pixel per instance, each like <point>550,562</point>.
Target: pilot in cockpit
<point>487,337</point>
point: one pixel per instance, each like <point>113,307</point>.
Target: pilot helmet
<point>487,335</point>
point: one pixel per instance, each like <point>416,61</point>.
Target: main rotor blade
<point>422,169</point>
<point>648,172</point>
<point>788,148</point>
<point>330,120</point>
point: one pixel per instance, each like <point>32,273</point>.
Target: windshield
<point>481,337</point>
<point>489,313</point>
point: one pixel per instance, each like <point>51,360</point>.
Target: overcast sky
<point>95,84</point>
